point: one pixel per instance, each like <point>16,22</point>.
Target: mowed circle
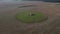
<point>31,16</point>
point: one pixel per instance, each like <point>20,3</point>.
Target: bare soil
<point>10,25</point>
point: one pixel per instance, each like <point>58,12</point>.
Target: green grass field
<point>35,17</point>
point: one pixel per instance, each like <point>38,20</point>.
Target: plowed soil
<point>10,25</point>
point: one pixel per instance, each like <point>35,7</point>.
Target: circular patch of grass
<point>33,16</point>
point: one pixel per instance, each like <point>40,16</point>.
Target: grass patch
<point>34,17</point>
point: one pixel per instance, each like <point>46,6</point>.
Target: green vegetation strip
<point>26,17</point>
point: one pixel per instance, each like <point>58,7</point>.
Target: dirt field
<point>10,25</point>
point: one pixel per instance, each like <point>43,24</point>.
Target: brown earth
<point>10,25</point>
